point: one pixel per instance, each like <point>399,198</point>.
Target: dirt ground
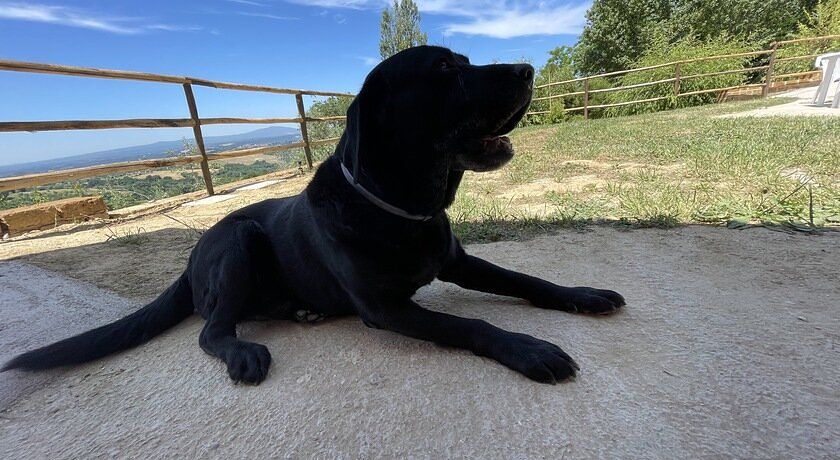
<point>95,252</point>
<point>728,348</point>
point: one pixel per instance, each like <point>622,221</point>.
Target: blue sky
<point>319,44</point>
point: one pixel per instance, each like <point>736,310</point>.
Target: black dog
<point>368,231</point>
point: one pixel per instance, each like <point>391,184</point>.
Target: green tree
<point>759,22</point>
<point>560,66</point>
<point>617,32</point>
<point>662,51</point>
<point>823,21</point>
<point>332,106</point>
<point>400,28</point>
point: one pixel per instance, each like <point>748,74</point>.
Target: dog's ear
<point>353,132</point>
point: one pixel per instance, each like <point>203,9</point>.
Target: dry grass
<point>662,169</point>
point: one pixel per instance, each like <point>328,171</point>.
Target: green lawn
<point>661,169</point>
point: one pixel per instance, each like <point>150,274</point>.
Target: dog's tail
<point>169,309</point>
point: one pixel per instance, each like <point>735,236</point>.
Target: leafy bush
<point>620,32</point>
<point>660,52</point>
<point>561,67</point>
<point>825,20</point>
<point>758,22</point>
<point>330,107</point>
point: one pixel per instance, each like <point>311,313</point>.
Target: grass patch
<point>662,169</point>
<point>126,236</point>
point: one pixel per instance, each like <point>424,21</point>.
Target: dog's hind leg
<point>228,267</point>
<point>246,361</point>
<point>476,274</point>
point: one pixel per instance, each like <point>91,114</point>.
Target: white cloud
<point>352,4</point>
<point>247,2</point>
<point>368,61</point>
<point>171,28</point>
<point>70,17</point>
<point>269,16</point>
<point>562,20</point>
<point>62,16</point>
<point>498,19</point>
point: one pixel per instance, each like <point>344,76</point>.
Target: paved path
<point>728,348</point>
<point>802,107</point>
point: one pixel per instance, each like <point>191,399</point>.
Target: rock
<point>41,216</point>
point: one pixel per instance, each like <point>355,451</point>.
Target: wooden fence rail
<point>679,77</point>
<point>195,122</point>
<point>33,126</point>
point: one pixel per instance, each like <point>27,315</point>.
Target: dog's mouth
<point>499,136</point>
<point>507,125</point>
<point>487,152</point>
<point>496,142</point>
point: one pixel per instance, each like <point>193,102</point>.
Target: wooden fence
<point>679,77</point>
<point>203,158</point>
<point>195,121</point>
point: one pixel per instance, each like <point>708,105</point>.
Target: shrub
<point>661,52</point>
<point>560,67</point>
<point>825,20</point>
<point>329,107</point>
<point>557,108</point>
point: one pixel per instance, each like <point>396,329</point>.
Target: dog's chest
<point>411,262</point>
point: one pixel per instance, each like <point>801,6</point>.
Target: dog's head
<point>427,113</point>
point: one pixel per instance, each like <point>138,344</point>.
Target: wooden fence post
<point>550,101</point>
<point>303,133</point>
<point>586,98</point>
<point>199,139</point>
<point>768,78</point>
<point>677,74</point>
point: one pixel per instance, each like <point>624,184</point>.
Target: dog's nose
<point>524,71</point>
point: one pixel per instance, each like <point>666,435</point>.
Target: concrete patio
<point>728,348</point>
<point>802,107</point>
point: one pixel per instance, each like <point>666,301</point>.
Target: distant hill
<point>273,135</point>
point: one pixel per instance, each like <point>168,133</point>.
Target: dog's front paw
<point>581,300</point>
<point>534,358</point>
<point>248,362</point>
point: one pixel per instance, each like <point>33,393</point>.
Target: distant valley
<point>273,135</point>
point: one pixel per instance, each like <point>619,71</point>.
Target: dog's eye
<point>444,65</point>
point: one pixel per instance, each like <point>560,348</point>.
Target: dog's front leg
<point>536,359</point>
<point>476,274</point>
